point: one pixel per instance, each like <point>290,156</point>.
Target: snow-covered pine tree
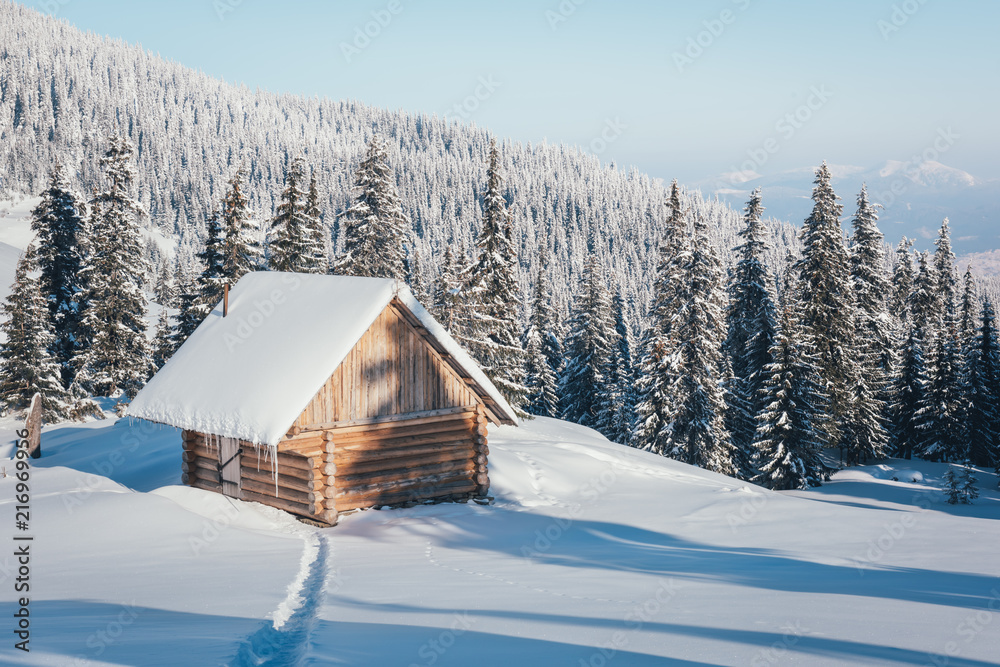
<point>374,228</point>
<point>902,280</point>
<point>241,250</point>
<point>657,370</point>
<point>788,441</point>
<point>59,225</point>
<point>415,275</point>
<point>543,351</point>
<point>316,259</point>
<point>908,397</point>
<point>117,359</point>
<point>290,245</point>
<point>923,303</point>
<point>952,486</point>
<point>493,295</point>
<point>212,279</point>
<point>618,393</point>
<point>189,311</point>
<point>698,435</point>
<point>944,270</point>
<point>941,415</point>
<point>446,294</point>
<point>865,435</point>
<point>165,291</point>
<point>826,303</point>
<point>983,418</point>
<point>751,324</point>
<point>588,349</point>
<point>27,365</point>
<point>163,346</point>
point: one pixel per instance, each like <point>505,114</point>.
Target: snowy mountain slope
<point>591,553</point>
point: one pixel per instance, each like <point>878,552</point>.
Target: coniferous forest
<point>757,349</point>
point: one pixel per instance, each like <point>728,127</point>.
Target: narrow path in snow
<point>284,640</point>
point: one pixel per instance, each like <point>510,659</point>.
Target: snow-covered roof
<point>250,374</point>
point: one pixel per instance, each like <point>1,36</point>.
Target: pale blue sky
<point>886,93</point>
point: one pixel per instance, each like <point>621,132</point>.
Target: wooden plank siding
<point>391,370</point>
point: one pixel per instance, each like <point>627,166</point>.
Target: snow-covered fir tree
<point>751,324</point>
<point>374,229</point>
<point>788,439</point>
<point>163,346</point>
<point>589,347</point>
<point>316,258</point>
<point>58,222</point>
<point>826,303</point>
<point>116,360</point>
<point>415,276</point>
<point>189,311</point>
<point>944,270</point>
<point>212,280</point>
<point>864,430</point>
<point>27,365</point>
<point>241,250</point>
<point>618,394</point>
<point>543,352</point>
<point>658,372</point>
<point>940,415</point>
<point>923,304</point>
<point>983,392</point>
<point>446,292</point>
<point>967,312</point>
<point>960,489</point>
<point>492,295</point>
<point>902,281</point>
<point>698,435</point>
<point>289,246</point>
<point>908,397</point>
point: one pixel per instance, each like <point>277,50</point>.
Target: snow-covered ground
<point>592,554</point>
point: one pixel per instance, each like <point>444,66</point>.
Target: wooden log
<point>330,469</point>
<point>298,473</point>
<point>265,477</point>
<point>358,467</point>
<point>302,509</point>
<point>304,441</point>
<point>188,478</point>
<point>252,460</point>
<point>481,459</point>
<point>298,494</point>
<point>427,482</point>
<point>409,472</point>
<point>206,485</point>
<point>401,442</point>
<point>201,468</point>
<point>449,448</point>
<point>331,516</point>
<point>349,503</point>
<point>372,423</point>
<point>405,432</point>
<point>482,479</point>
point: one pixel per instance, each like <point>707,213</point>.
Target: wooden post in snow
<point>33,425</point>
<point>225,300</point>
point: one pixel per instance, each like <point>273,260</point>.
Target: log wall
<point>392,370</point>
<point>386,461</point>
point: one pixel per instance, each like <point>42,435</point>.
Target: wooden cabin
<point>325,394</point>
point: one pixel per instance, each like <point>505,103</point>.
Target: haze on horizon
<point>681,90</point>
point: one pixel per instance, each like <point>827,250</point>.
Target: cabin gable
<point>391,370</point>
